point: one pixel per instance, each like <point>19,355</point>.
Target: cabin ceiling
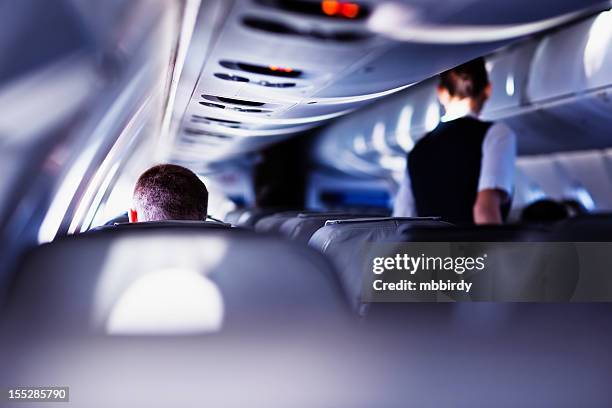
<point>259,71</point>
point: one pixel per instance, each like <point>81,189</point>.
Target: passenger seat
<point>271,223</point>
<point>586,228</point>
<point>172,280</point>
<point>248,217</point>
<point>342,241</point>
<point>302,227</point>
<point>514,272</point>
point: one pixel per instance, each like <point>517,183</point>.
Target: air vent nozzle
<point>218,121</point>
<point>243,102</point>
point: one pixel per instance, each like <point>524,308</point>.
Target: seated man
<point>169,192</point>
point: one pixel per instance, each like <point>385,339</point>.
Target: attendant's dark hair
<point>170,192</point>
<point>468,80</point>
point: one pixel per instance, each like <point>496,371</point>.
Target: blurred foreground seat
<point>172,279</point>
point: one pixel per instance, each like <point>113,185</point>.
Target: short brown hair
<point>170,192</point>
<point>468,80</point>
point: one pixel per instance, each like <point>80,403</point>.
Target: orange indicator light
<point>330,7</point>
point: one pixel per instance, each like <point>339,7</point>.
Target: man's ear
<point>133,215</point>
<point>443,95</point>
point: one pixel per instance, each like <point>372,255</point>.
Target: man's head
<point>169,192</point>
<point>467,84</point>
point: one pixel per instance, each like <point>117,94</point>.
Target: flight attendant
<point>463,170</point>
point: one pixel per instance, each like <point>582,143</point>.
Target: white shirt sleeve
<point>404,200</point>
<point>498,159</point>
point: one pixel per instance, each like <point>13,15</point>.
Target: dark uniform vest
<point>444,168</point>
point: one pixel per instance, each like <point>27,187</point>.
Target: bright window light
<point>57,210</point>
<point>510,85</point>
<point>432,117</point>
<point>598,44</point>
<point>584,197</point>
<point>402,132</point>
<point>359,144</point>
<point>534,193</point>
<point>378,138</point>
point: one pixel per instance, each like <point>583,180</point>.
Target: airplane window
<point>510,85</point>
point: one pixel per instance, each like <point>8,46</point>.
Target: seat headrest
<point>162,224</point>
<point>84,281</point>
<point>394,220</point>
<point>342,241</point>
<point>303,226</point>
<point>585,228</point>
<point>271,223</point>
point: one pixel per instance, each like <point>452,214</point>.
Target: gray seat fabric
<point>250,216</point>
<point>76,282</point>
<point>233,216</point>
<point>483,233</point>
<point>514,272</point>
<point>302,227</point>
<point>272,222</point>
<point>162,224</point>
<point>342,242</point>
<point>585,228</point>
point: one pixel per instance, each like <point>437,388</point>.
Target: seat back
<point>301,227</point>
<point>251,216</point>
<point>585,228</point>
<point>342,242</point>
<point>271,223</point>
<point>164,224</point>
<point>233,216</point>
<point>515,271</point>
<point>172,278</point>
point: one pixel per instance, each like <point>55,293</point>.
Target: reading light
<point>280,69</point>
<point>349,10</point>
<point>340,9</point>
<point>330,7</point>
